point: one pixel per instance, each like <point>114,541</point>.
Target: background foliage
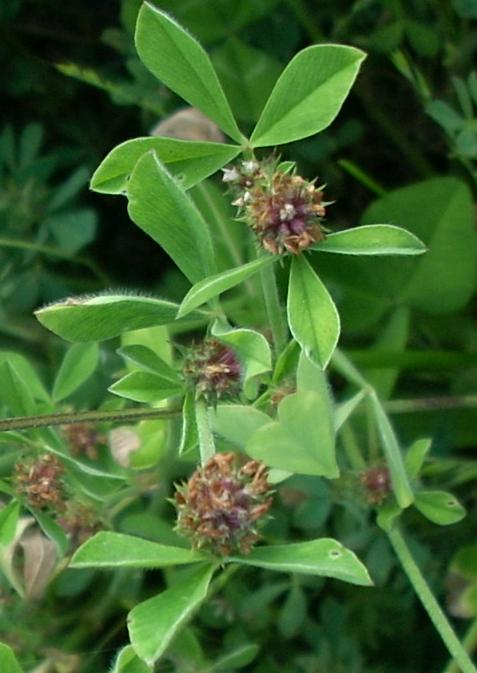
<point>404,150</point>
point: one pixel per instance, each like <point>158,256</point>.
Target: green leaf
<point>308,94</point>
<point>247,75</point>
<point>239,657</point>
<point>78,365</point>
<point>145,358</point>
<point>160,207</point>
<point>440,213</point>
<point>344,410</point>
<point>52,530</point>
<point>190,161</point>
<point>293,612</point>
<point>27,373</point>
<point>416,455</point>
<point>153,624</point>
<point>189,433</point>
<point>252,348</point>
<point>128,662</point>
<point>105,316</point>
<point>211,287</point>
<point>312,315</point>
<point>115,550</point>
<point>8,660</point>
<point>179,61</point>
<point>439,507</point>
<point>388,515</point>
<point>15,392</point>
<point>8,522</point>
<point>372,239</point>
<point>237,423</point>
<point>399,480</point>
<point>301,440</point>
<point>325,557</point>
<point>145,387</point>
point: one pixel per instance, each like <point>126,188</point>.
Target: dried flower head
<point>283,209</point>
<point>213,369</point>
<point>222,505</point>
<point>79,521</point>
<point>376,482</point>
<point>40,481</point>
<point>83,439</point>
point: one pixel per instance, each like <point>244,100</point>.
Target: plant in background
<point>222,390</point>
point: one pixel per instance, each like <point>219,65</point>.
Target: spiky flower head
<point>221,507</point>
<point>284,210</point>
<point>213,369</point>
<point>40,480</point>
<point>79,521</point>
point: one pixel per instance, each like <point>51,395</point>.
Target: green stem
<point>206,437</point>
<point>53,252</point>
<point>351,447</point>
<point>429,603</point>
<point>431,404</point>
<point>45,420</point>
<point>469,642</point>
<point>275,314</point>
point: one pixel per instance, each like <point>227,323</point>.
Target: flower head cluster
<point>79,521</point>
<point>83,439</point>
<point>376,482</point>
<point>213,369</point>
<point>222,505</point>
<point>284,210</point>
<point>40,480</point>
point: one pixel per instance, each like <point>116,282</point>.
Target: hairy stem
<point>45,420</point>
<point>206,437</point>
<point>429,603</point>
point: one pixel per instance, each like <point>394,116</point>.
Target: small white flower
<point>249,167</point>
<point>230,175</point>
<point>287,212</point>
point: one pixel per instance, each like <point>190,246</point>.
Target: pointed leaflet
<point>145,358</point>
<point>105,316</point>
<point>189,160</point>
<point>372,239</point>
<point>78,365</point>
<point>212,286</point>
<point>312,315</point>
<point>160,207</point>
<point>145,387</point>
<point>325,557</point>
<point>179,61</point>
<point>153,624</point>
<point>439,507</point>
<point>115,550</point>
<point>308,94</point>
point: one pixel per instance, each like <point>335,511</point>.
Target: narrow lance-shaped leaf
<point>153,624</point>
<point>372,239</point>
<point>400,483</point>
<point>78,365</point>
<point>116,550</point>
<point>325,557</point>
<point>211,287</point>
<point>179,61</point>
<point>312,315</point>
<point>106,316</point>
<point>308,94</point>
<point>160,207</point>
<point>189,160</point>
